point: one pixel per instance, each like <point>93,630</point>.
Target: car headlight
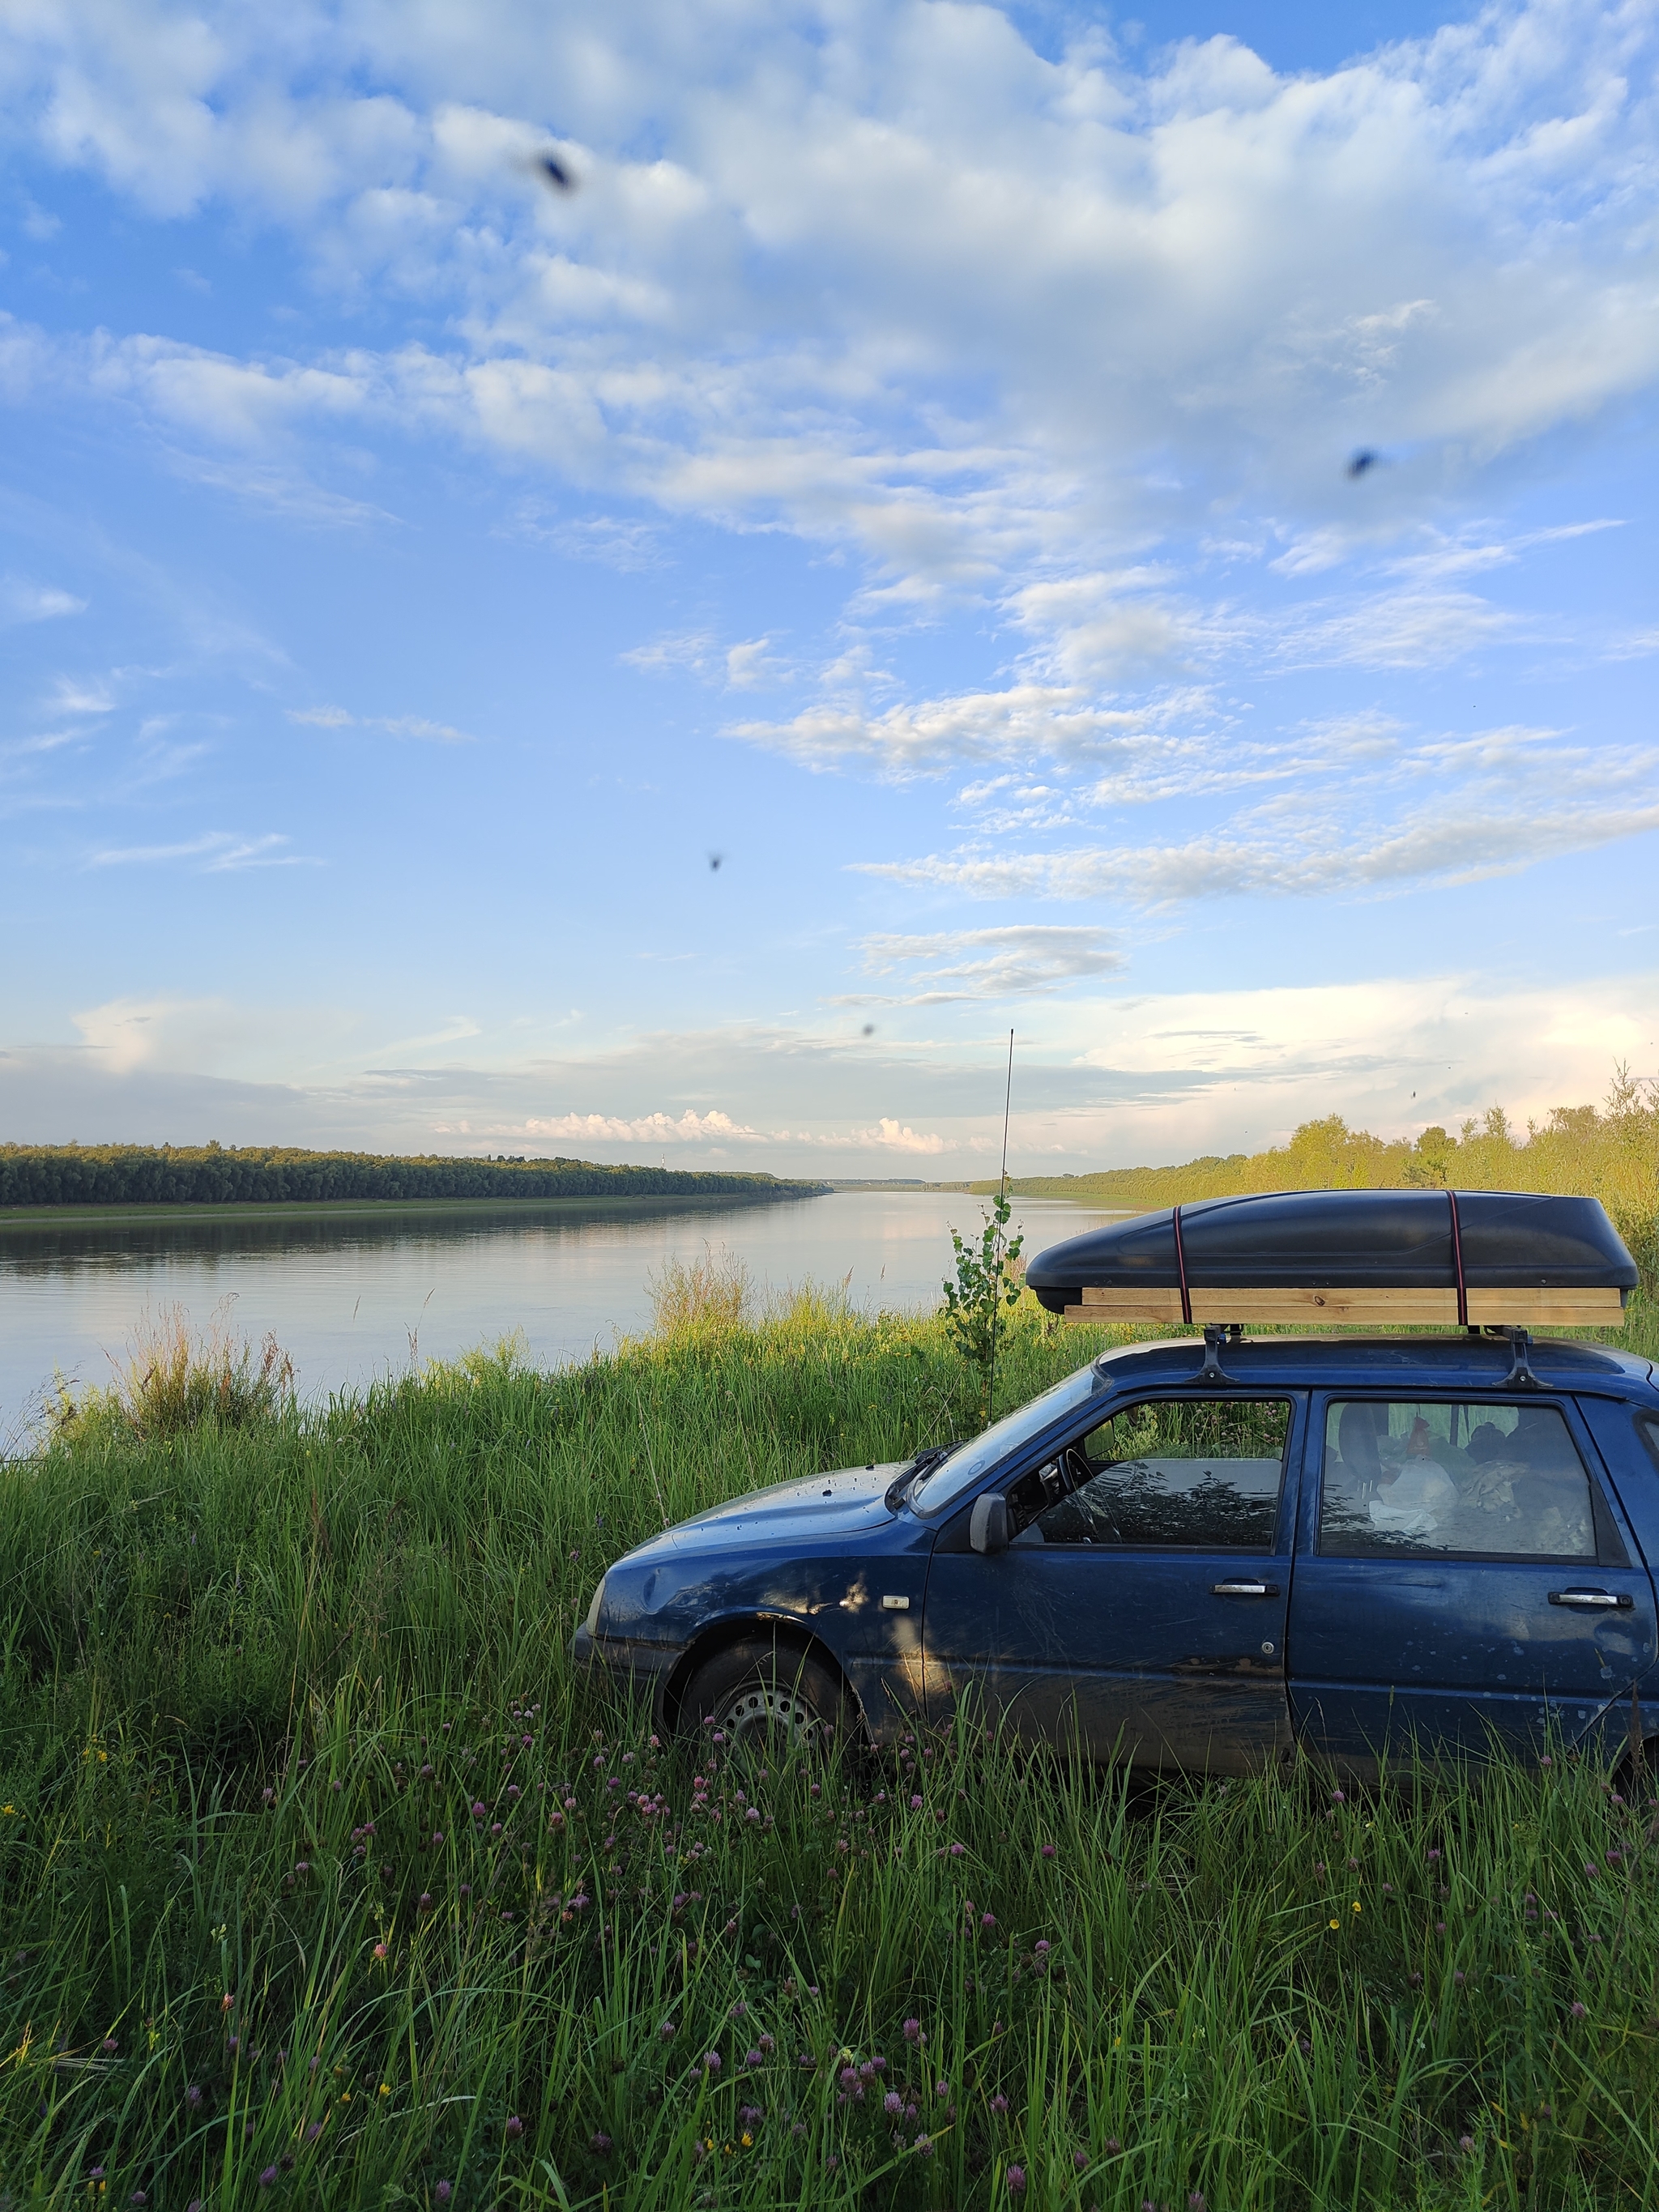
<point>593,1609</point>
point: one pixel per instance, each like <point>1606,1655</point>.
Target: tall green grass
<point>322,1881</point>
<point>175,1378</point>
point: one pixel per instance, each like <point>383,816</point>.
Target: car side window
<point>1182,1473</point>
<point>1490,1481</point>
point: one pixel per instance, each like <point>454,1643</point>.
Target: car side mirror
<point>987,1531</point>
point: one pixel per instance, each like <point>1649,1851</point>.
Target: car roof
<point>1436,1363</point>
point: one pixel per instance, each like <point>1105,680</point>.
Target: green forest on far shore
<point>1610,1152</point>
<point>213,1174</point>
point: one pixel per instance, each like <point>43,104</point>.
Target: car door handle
<point>1593,1601</point>
<point>1244,1589</point>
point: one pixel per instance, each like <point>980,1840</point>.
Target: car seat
<point>1356,1441</point>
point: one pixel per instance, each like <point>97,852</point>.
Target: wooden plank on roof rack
<point>1579,1308</point>
<point>1393,1306</point>
<point>1270,1302</point>
<point>1149,1304</point>
<point>1363,1307</point>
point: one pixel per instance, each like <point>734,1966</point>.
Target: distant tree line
<point>214,1174</point>
<point>1612,1154</point>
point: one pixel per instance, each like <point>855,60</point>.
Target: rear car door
<point>1139,1610</point>
<point>1463,1577</point>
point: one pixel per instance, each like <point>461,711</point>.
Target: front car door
<point>1139,1610</point>
<point>1463,1577</point>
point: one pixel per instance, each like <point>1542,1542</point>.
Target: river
<point>355,1296</point>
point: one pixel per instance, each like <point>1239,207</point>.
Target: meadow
<point>324,1881</point>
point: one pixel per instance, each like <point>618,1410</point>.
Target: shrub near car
<point>1198,1554</point>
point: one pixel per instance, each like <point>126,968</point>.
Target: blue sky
<point>914,465</point>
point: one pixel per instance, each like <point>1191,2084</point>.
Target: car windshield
<point>942,1484</point>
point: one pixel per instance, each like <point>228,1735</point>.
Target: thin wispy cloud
<point>1471,553</point>
<point>215,852</point>
<point>79,695</point>
<point>1027,721</point>
<point>629,546</point>
<point>23,600</point>
<point>391,726</point>
<point>1298,856</point>
<point>951,966</point>
<point>1418,630</point>
<point>692,652</point>
<point>29,748</point>
<point>738,667</point>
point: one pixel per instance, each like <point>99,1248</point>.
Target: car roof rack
<point>1218,1335</point>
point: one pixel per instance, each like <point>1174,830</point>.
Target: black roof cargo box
<point>1181,1262</point>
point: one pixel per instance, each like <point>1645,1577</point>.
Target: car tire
<point>765,1694</point>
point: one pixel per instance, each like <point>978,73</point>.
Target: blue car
<point>1198,1556</point>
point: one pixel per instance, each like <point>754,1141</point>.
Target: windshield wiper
<point>922,1464</point>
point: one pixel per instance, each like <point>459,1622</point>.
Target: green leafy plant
<point>987,1282</point>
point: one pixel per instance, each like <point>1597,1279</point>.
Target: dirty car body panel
<point>1161,1645</point>
<point>1177,1581</point>
<point>813,1558</point>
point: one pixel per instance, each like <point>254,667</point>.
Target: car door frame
<point>1637,1464</point>
<point>1581,1719</point>
<point>940,1695</point>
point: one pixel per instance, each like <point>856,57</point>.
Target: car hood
<point>843,1502</point>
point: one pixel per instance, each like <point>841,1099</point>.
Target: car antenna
<point>1002,1194</point>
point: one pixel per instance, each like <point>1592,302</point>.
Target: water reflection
<point>38,1247</point>
<point>355,1295</point>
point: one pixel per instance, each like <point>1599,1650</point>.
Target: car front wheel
<point>761,1694</point>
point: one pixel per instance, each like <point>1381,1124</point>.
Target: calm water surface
<point>355,1296</point>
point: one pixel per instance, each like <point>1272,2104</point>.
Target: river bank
<point>355,1291</point>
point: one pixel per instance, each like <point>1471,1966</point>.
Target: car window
<point>942,1485</point>
<point>1502,1481</point>
<point>1182,1474</point>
